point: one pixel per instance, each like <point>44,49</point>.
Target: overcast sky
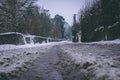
<point>65,8</point>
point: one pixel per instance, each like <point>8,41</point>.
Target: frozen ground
<point>61,61</point>
<point>14,60</point>
<point>90,61</point>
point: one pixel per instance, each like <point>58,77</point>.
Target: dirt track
<point>75,61</point>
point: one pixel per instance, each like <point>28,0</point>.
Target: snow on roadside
<point>117,41</point>
<point>10,46</point>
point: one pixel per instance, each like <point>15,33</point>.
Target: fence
<point>20,39</point>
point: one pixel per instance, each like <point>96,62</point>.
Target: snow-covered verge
<point>116,41</point>
<point>5,47</point>
<point>89,62</point>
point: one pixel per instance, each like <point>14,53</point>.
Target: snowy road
<point>62,61</point>
<point>44,67</point>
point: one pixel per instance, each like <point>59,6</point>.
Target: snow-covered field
<point>73,61</point>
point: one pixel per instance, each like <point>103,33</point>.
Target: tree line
<point>25,17</point>
<point>100,21</point>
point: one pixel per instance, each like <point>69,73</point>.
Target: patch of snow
<point>117,41</point>
<point>11,33</point>
<point>10,46</point>
<point>55,75</point>
<point>100,28</point>
<point>7,47</point>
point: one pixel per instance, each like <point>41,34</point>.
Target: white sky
<point>65,8</point>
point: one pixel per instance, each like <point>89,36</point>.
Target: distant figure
<point>75,30</point>
<point>75,37</point>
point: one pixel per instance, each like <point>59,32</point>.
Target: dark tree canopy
<point>25,17</point>
<point>100,21</point>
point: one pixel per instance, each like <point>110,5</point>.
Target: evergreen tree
<point>13,11</point>
<point>99,22</point>
<point>59,23</point>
